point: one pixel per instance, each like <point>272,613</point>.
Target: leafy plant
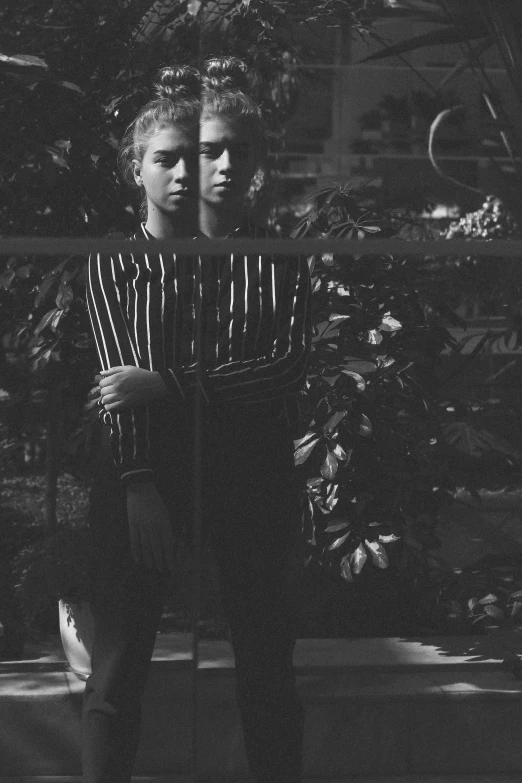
<point>71,79</point>
<point>478,26</point>
<point>18,530</point>
<point>54,567</point>
<point>48,355</point>
<point>477,457</point>
<point>488,596</point>
<point>372,449</point>
<point>383,451</point>
<point>486,280</point>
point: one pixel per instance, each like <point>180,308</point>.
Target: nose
<point>225,161</point>
<point>181,171</point>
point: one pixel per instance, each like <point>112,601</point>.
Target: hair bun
<point>226,73</point>
<point>177,82</point>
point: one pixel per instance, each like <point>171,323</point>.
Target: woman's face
<point>227,161</point>
<point>169,172</point>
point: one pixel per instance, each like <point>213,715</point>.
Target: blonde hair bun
<point>226,73</point>
<point>177,82</point>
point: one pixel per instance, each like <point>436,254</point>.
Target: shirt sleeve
<point>106,285</point>
<point>281,371</point>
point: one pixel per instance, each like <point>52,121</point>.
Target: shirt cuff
<point>136,476</point>
<point>174,381</point>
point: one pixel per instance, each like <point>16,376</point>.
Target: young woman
<point>255,327</point>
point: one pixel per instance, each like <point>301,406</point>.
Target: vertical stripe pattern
<point>256,326</point>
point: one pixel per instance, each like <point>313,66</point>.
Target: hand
<point>150,528</point>
<point>129,386</point>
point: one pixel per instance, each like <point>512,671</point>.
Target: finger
<point>112,371</point>
<point>110,397</point>
<point>115,406</point>
<point>94,392</point>
<point>98,378</point>
<point>105,382</point>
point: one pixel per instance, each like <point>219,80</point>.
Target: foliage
<point>384,450</point>
<point>477,457</point>
<point>488,595</point>
<point>40,568</point>
<point>377,462</point>
<point>373,447</point>
<point>46,351</point>
<point>494,282</point>
<point>477,25</point>
<point>71,79</point>
<point>54,567</point>
<point>491,221</point>
<point>84,72</point>
<point>493,286</point>
<point>18,530</point>
<point>402,123</point>
<point>22,529</point>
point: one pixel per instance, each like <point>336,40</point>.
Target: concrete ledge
<point>379,779</point>
<point>390,654</point>
<point>373,707</point>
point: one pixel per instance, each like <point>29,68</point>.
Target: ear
<point>136,170</point>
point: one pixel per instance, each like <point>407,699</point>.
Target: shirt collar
<point>148,235</point>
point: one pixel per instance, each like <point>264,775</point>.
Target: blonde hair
<point>177,102</point>
<point>225,93</point>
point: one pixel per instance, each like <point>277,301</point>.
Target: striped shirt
<point>254,340</point>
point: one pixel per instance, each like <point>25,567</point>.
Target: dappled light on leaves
<point>358,559</point>
<point>373,427</point>
<point>378,554</point>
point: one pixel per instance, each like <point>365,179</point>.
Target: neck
<point>163,227</point>
<point>218,222</point>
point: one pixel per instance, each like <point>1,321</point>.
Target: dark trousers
<point>250,510</point>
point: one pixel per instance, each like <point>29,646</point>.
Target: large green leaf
<point>302,453</point>
<point>504,25</point>
<point>464,22</point>
<point>23,61</point>
<point>474,52</point>
<point>446,35</point>
<point>435,10</point>
<point>475,442</point>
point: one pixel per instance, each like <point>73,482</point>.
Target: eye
<point>166,161</point>
<point>208,152</point>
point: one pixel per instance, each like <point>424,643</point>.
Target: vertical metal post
<point>197,515</point>
<point>197,486</point>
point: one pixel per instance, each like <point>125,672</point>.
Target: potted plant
<point>16,531</point>
<point>56,569</point>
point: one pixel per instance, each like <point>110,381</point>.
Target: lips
<point>226,184</point>
<point>181,194</point>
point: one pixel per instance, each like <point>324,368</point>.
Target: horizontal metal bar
<point>54,246</point>
<point>375,65</point>
<point>331,157</point>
